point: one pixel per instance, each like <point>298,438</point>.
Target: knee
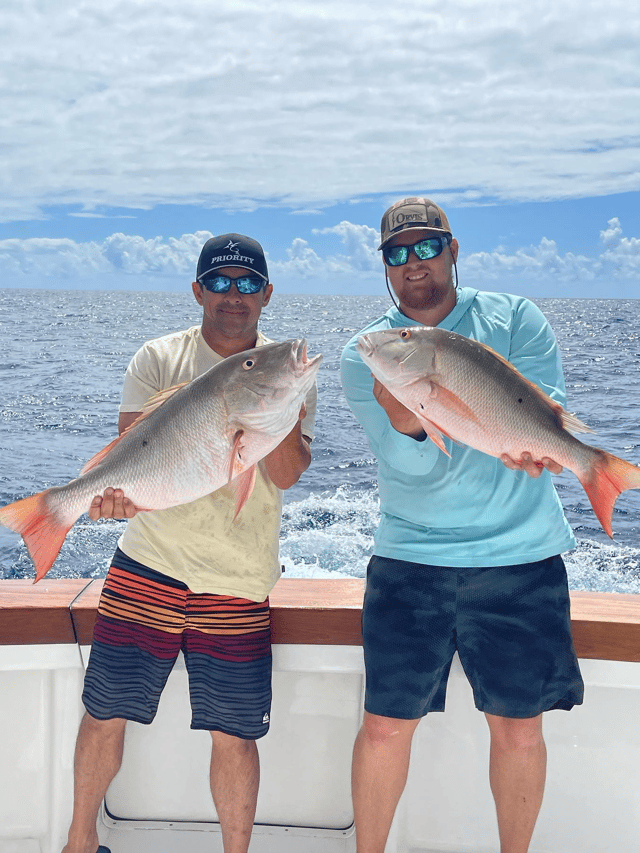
<point>113,728</point>
<point>516,735</point>
<point>224,743</point>
<point>380,731</point>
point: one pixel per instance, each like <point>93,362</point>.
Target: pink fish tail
<point>608,477</point>
<point>42,531</point>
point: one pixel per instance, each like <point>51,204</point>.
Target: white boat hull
<point>160,800</point>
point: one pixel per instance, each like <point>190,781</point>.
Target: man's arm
<point>291,458</point>
<point>126,419</point>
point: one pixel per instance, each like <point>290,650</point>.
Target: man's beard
<point>424,298</point>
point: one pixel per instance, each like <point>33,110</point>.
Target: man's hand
<point>527,464</point>
<point>402,419</point>
<point>112,504</point>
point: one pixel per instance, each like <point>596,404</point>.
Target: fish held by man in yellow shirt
<point>462,389</point>
<point>189,441</point>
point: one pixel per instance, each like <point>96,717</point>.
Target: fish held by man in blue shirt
<point>462,389</point>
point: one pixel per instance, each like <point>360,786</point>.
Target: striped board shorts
<point>145,619</point>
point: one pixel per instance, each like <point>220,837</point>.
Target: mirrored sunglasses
<point>222,283</point>
<point>424,250</point>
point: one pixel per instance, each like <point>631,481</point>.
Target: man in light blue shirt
<point>467,553</point>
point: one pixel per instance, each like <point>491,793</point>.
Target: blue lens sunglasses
<point>424,250</point>
<point>222,283</point>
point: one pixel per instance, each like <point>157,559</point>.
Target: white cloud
<point>253,101</point>
<point>360,241</point>
<point>622,255</point>
<point>620,260</point>
<point>119,253</point>
<point>304,263</point>
<point>612,233</point>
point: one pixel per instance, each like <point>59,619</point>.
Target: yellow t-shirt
<point>199,543</point>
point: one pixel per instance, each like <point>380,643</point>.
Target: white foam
<point>330,535</point>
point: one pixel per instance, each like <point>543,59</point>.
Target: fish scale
<point>509,409</point>
<point>461,388</point>
<point>189,442</point>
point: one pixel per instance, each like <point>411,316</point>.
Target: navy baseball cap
<point>232,250</point>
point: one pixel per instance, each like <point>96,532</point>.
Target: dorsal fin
<point>157,400</point>
<point>573,424</point>
<point>566,420</point>
<point>151,405</point>
<point>102,454</point>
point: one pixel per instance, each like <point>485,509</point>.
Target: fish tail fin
<point>39,526</point>
<point>608,477</point>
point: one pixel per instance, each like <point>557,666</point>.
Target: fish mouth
<point>381,366</point>
<point>300,357</point>
<point>299,351</point>
<point>364,345</point>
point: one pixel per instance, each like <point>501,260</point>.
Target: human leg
<point>97,760</point>
<point>515,644</point>
<point>235,777</point>
<point>409,642</point>
<point>379,774</point>
<point>517,774</point>
<point>129,663</point>
<point>227,648</point>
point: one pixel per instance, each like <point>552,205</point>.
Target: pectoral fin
<point>235,456</point>
<point>242,481</point>
<point>434,433</point>
<point>242,487</point>
<point>448,400</point>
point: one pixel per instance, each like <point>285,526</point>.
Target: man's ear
<point>197,291</point>
<point>454,247</point>
<point>266,294</point>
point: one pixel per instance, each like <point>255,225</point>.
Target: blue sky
<point>131,132</point>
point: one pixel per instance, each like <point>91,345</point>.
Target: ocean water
<point>63,358</point>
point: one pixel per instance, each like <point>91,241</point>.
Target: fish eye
<point>405,334</point>
<point>248,364</point>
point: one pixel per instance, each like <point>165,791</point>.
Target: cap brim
<point>228,265</point>
<point>422,227</point>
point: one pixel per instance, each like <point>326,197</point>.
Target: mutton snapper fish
<point>463,389</point>
<point>189,441</point>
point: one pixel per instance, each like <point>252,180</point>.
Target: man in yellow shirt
<point>181,576</point>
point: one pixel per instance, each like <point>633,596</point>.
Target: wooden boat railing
<point>606,626</point>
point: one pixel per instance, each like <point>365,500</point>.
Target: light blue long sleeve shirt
<point>469,509</point>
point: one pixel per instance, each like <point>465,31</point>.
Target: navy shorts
<point>511,626</point>
<point>145,618</point>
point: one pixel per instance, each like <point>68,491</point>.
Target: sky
<point>130,132</point>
